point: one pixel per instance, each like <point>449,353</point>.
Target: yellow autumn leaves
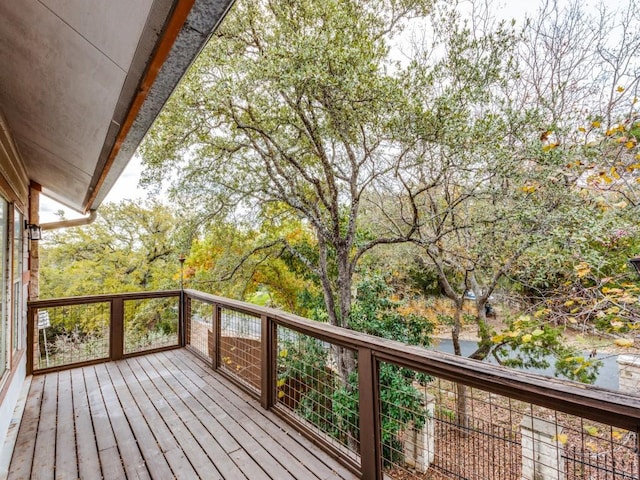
<point>592,431</point>
<point>518,333</point>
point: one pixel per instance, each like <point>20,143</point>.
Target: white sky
<point>126,187</point>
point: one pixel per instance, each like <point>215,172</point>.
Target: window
<point>16,296</point>
<point>4,251</point>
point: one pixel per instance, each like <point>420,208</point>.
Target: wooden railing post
<point>214,336</point>
<point>268,346</point>
<point>184,319</point>
<point>369,388</point>
<point>117,328</point>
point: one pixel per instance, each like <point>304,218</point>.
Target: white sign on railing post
<point>43,320</point>
<point>43,324</point>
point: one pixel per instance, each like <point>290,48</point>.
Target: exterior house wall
<point>14,189</point>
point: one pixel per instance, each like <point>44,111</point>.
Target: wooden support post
<point>214,335</point>
<point>184,319</point>
<point>370,442</point>
<point>268,346</point>
<point>117,328</point>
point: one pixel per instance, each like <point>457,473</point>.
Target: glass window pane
<point>16,299</point>
<point>4,248</point>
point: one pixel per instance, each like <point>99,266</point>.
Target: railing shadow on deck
<point>455,417</point>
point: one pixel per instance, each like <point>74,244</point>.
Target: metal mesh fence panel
<point>71,334</point>
<point>437,429</point>
<point>317,385</point>
<point>240,335</point>
<point>150,323</point>
<point>200,327</point>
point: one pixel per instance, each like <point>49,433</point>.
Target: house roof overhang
<point>81,83</point>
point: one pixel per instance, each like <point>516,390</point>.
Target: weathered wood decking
<point>159,416</point>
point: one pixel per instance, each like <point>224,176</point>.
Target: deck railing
<point>390,410</point>
<point>472,421</point>
<point>77,331</point>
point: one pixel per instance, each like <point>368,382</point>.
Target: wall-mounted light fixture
<point>635,261</point>
<point>34,231</point>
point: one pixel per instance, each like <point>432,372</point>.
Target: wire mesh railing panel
<point>436,429</point>
<point>151,323</point>
<point>70,334</point>
<point>597,451</point>
<point>240,339</point>
<point>200,329</point>
<point>317,383</point>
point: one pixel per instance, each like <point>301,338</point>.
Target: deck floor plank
<point>88,459</point>
<point>170,447</point>
<point>292,442</point>
<point>23,451</point>
<point>284,456</point>
<point>164,399</point>
<point>107,446</point>
<point>153,456</point>
<point>66,457</point>
<point>196,418</point>
<point>45,448</point>
<point>159,416</point>
<point>132,459</point>
<point>258,453</point>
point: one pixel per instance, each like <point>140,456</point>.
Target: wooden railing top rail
<point>598,404</point>
<point>60,302</point>
<point>606,406</point>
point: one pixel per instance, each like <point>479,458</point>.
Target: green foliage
<point>128,248</point>
<point>424,279</point>
<point>304,363</point>
<point>374,312</point>
<point>529,343</point>
<point>291,112</point>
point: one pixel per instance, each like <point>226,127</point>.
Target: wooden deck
<point>160,416</point>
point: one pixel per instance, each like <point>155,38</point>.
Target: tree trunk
<point>455,332</point>
<point>342,359</point>
<point>461,390</point>
<point>462,418</point>
<point>485,344</point>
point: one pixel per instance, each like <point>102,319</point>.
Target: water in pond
<point>607,375</point>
